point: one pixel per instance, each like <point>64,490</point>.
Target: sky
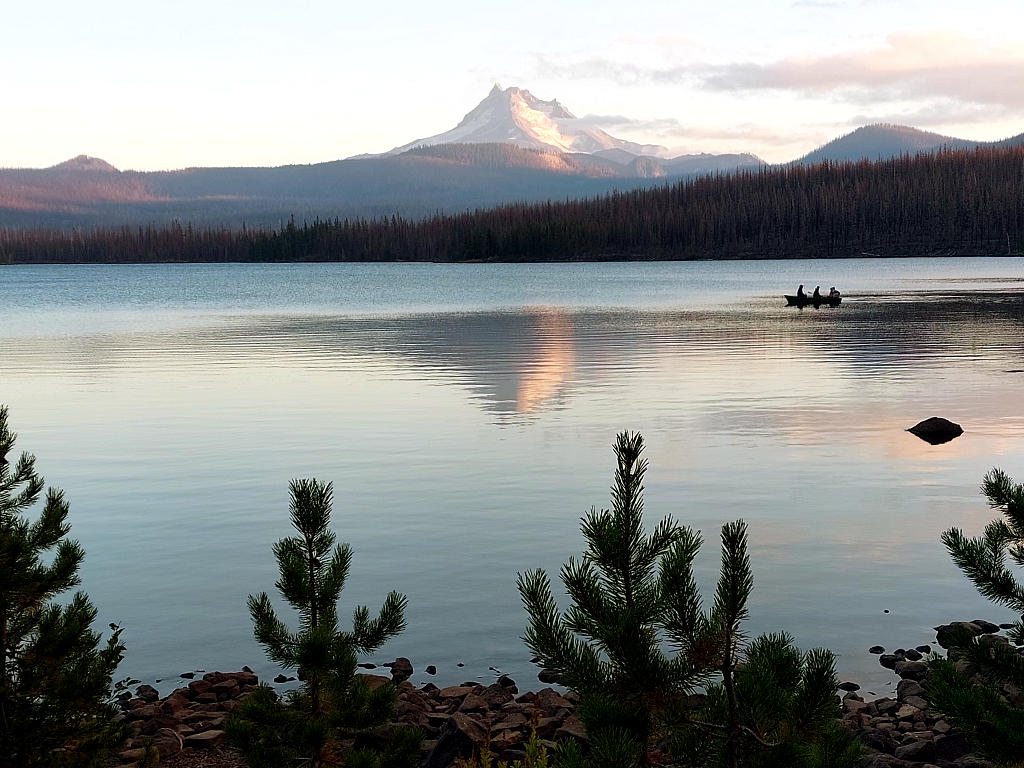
<point>166,84</point>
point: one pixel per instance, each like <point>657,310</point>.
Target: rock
<point>876,649</point>
<point>431,670</point>
<point>912,670</point>
<point>854,707</point>
<point>888,660</point>
<point>473,703</point>
<point>924,648</point>
<point>936,430</point>
<point>913,654</point>
<point>496,696</point>
<point>374,681</point>
<point>973,761</point>
<point>547,676</point>
<point>951,747</point>
<point>987,627</point>
<point>507,682</point>
<point>205,740</point>
<point>401,669</point>
<point>366,665</point>
<point>908,713</point>
<point>168,742</point>
<point>572,728</point>
<point>908,688</point>
<point>849,687</point>
<point>174,703</point>
<point>886,705</point>
<point>916,701</point>
<point>512,721</point>
<point>225,689</point>
<point>1007,625</point>
<point>131,755</point>
<point>455,691</point>
<point>550,700</point>
<point>187,675</point>
<point>458,737</point>
<point>956,632</point>
<point>147,693</point>
<point>916,751</point>
<point>283,679</point>
<point>881,760</point>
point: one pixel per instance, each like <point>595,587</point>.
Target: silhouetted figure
<point>833,293</point>
<point>800,292</point>
<point>817,293</point>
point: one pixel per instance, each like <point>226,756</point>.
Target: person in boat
<point>817,293</point>
<point>833,293</point>
<point>800,292</point>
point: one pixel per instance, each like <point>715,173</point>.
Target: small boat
<point>802,301</point>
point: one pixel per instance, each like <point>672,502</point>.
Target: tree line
<point>964,202</point>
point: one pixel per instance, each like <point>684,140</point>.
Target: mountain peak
<point>86,163</point>
<point>513,115</point>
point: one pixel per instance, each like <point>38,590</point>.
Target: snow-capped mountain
<point>516,116</point>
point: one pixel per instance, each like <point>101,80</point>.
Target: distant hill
<point>86,163</point>
<point>416,183</point>
<point>512,147</point>
<point>882,141</point>
<point>955,203</point>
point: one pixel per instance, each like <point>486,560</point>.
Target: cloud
<point>909,66</point>
<point>670,128</point>
<point>941,112</point>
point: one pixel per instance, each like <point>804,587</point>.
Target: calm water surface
<point>465,415</point>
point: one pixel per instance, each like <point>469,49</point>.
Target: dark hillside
<point>949,203</point>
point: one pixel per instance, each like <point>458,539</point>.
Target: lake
<point>465,415</point>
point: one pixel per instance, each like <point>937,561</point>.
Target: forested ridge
<point>950,203</point>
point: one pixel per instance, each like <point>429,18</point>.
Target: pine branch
<point>981,560</point>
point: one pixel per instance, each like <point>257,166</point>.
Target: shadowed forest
<point>951,203</point>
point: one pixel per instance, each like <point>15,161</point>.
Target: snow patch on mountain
<point>516,116</point>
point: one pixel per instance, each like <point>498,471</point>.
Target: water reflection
<point>744,364</point>
<point>467,443</point>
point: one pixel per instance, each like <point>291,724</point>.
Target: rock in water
<point>936,430</point>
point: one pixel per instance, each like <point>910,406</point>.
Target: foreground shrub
<point>332,719</point>
<point>55,676</point>
<point>633,599</point>
<point>981,707</point>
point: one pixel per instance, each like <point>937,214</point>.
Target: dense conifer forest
<point>950,203</point>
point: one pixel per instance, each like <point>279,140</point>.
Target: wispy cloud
<point>941,112</point>
<point>671,129</point>
<point>909,66</point>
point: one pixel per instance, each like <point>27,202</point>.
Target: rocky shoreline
<point>898,732</point>
<point>455,720</point>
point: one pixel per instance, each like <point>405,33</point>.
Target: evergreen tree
<point>787,713</point>
<point>982,708</point>
<point>55,677</point>
<point>607,646</point>
<point>633,596</point>
<point>334,703</point>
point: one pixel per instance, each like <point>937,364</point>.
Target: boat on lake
<point>802,301</point>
